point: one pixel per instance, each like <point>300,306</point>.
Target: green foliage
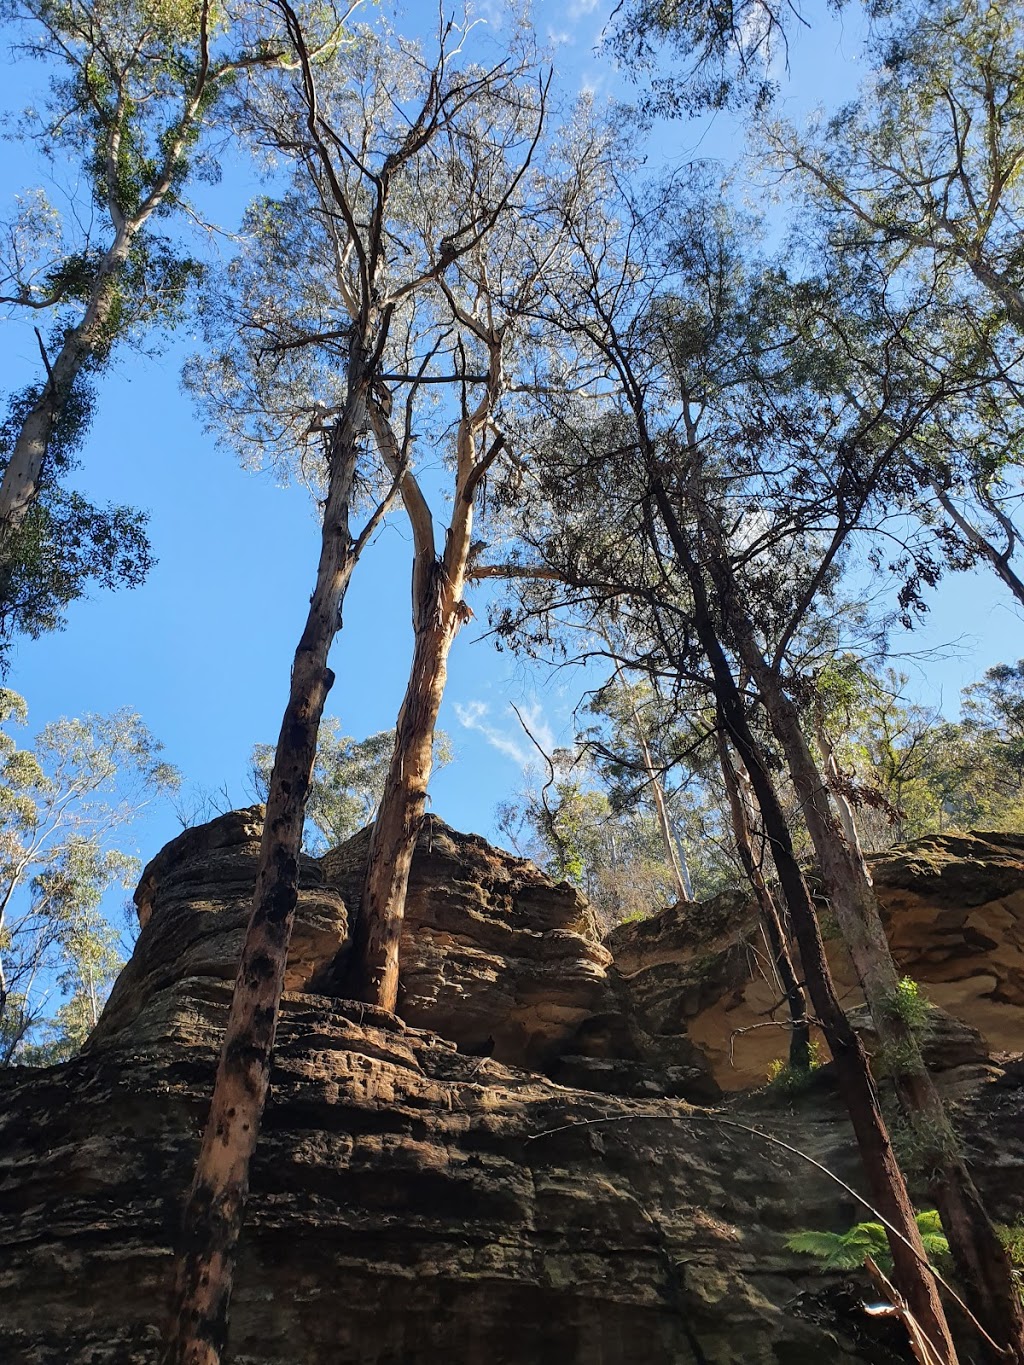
<point>907,1003</point>
<point>61,802</point>
<point>65,544</point>
<point>847,1250</point>
<point>347,784</point>
<point>572,830</point>
<point>907,770</point>
<point>788,1080</point>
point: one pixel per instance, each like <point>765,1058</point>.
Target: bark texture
<point>438,588</point>
<point>799,1039</point>
<point>980,1258</point>
<point>22,477</point>
<point>379,926</point>
<point>213,1215</point>
<point>857,1085</point>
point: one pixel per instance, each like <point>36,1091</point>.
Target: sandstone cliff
<point>415,1201</point>
<point>954,910</point>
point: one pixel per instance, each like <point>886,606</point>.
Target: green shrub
<point>907,1003</point>
<point>793,1080</point>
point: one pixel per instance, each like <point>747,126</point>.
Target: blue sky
<point>203,650</point>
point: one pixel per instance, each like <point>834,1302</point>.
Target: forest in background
<point>717,433</point>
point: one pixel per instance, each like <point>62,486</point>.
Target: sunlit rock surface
<point>953,906</point>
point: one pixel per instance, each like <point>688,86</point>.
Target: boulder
<point>495,956</point>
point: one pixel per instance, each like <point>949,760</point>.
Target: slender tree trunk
<point>400,814</point>
<point>799,1036</point>
<point>980,1258</point>
<point>438,586</point>
<point>885,1179</point>
<point>19,486</point>
<point>672,852</point>
<point>213,1215</point>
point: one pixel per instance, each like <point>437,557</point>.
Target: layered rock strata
<point>416,1201</point>
<point>953,907</point>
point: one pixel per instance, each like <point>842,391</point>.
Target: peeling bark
<point>438,587</point>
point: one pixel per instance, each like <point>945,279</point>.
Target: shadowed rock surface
<point>413,1203</point>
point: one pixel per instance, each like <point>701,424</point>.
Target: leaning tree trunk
<point>213,1214</point>
<point>799,1037</point>
<point>846,816</point>
<point>981,1260</point>
<point>24,471</point>
<point>439,613</point>
<point>857,1087</point>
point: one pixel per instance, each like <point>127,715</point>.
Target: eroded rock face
<point>953,907</point>
<point>410,1206</point>
<point>414,1204</point>
<point>495,956</point>
<point>193,902</point>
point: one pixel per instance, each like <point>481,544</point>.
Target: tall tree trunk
<point>799,1037</point>
<point>378,929</point>
<point>438,586</point>
<point>846,816</point>
<point>857,1087</point>
<point>213,1214</point>
<point>980,1258</point>
<point>23,474</point>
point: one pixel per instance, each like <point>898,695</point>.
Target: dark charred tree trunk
<point>857,1087</point>
<point>981,1260</point>
<point>799,1037</point>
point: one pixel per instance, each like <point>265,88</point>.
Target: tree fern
<point>847,1250</point>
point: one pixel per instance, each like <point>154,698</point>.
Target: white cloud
<point>513,743</point>
<point>578,8</point>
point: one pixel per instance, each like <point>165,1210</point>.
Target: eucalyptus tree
<point>65,801</point>
<point>813,487</point>
<point>133,91</point>
<point>333,272</point>
<point>920,180</point>
<point>511,209</point>
<point>826,472</point>
<point>710,54</point>
<point>718,418</point>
